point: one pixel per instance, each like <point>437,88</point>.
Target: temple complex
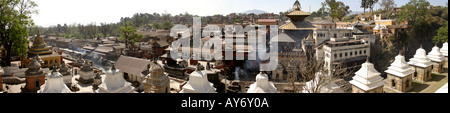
<point>444,51</point>
<point>198,83</point>
<point>322,83</point>
<point>262,85</point>
<point>367,80</point>
<point>157,81</point>
<point>55,84</point>
<point>86,73</point>
<point>40,48</point>
<point>399,76</point>
<point>115,83</point>
<point>34,76</point>
<point>422,65</point>
<point>438,60</point>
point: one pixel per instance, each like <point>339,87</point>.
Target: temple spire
<point>297,5</point>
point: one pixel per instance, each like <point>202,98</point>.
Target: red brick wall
<point>31,82</point>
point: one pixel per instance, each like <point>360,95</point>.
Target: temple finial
<point>297,5</point>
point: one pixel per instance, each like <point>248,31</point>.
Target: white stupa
<point>198,83</point>
<point>399,67</point>
<point>55,84</point>
<point>368,78</point>
<point>420,59</point>
<point>444,49</point>
<point>322,82</point>
<point>115,83</point>
<point>435,55</point>
<point>262,85</point>
<point>377,27</point>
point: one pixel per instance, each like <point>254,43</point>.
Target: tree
<point>415,13</point>
<point>442,34</point>
<point>15,21</point>
<point>314,71</point>
<point>364,5</point>
<point>105,29</point>
<point>371,4</point>
<point>337,9</point>
<point>82,30</point>
<point>129,35</point>
<point>387,5</point>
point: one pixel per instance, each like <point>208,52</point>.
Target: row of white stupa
<point>113,83</point>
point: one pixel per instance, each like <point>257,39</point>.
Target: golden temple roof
<point>39,41</point>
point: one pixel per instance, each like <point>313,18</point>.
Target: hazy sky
<point>52,12</point>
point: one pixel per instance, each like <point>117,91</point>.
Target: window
<point>335,55</point>
<point>356,53</point>
<point>393,83</point>
<point>360,52</point>
<point>346,54</point>
<point>340,55</point>
<point>351,53</point>
<point>365,51</point>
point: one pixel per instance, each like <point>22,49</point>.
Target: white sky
<point>52,12</point>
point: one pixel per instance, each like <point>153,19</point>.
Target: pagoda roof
<point>282,37</point>
<point>298,13</point>
<point>299,25</point>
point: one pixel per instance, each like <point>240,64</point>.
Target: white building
<point>198,83</point>
<point>438,60</point>
<point>346,51</point>
<point>134,69</point>
<point>55,84</point>
<point>322,83</point>
<point>262,85</point>
<point>115,83</point>
<point>367,80</point>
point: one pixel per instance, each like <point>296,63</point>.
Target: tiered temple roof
<point>367,78</point>
<point>420,59</point>
<point>399,67</point>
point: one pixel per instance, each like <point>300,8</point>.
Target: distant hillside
<point>255,11</point>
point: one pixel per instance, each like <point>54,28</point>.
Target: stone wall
<point>422,74</point>
<point>438,67</point>
<point>401,84</point>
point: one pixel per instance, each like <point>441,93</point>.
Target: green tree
<point>337,9</point>
<point>442,34</point>
<point>415,13</point>
<point>15,21</point>
<point>129,35</point>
